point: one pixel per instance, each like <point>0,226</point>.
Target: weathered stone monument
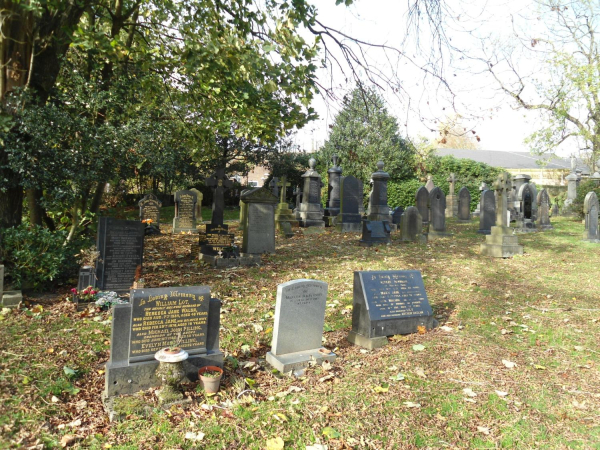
<point>333,192</point>
<point>284,216</point>
<point>543,203</point>
<point>298,328</point>
<point>482,187</point>
<point>591,210</point>
<point>8,299</point>
<point>185,212</point>
<point>437,214</point>
<point>422,202</point>
<point>375,232</point>
<point>378,209</point>
<point>259,221</point>
<point>310,212</point>
<point>349,218</point>
<point>150,210</point>
<point>464,205</point>
<point>199,198</point>
<point>451,198</point>
<point>387,303</point>
<point>429,185</point>
<point>501,242</point>
<point>153,320</point>
<point>121,247</point>
<point>219,183</point>
<point>274,185</point>
<point>528,209</point>
<point>571,191</point>
<point>487,218</point>
<point>411,226</point>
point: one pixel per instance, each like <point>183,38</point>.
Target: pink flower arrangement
<point>87,295</point>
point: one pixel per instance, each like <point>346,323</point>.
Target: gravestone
<point>185,212</point>
<point>429,185</point>
<point>8,299</point>
<point>298,328</point>
<point>310,212</point>
<point>482,187</point>
<point>298,198</point>
<point>591,209</point>
<point>361,203</point>
<point>437,214</point>
<point>199,198</point>
<point>464,205</point>
<point>375,232</point>
<point>387,303</point>
<point>397,215</point>
<point>274,185</point>
<point>571,192</point>
<point>487,218</point>
<point>451,198</point>
<point>501,242</point>
<point>555,210</point>
<point>284,217</point>
<point>528,209</point>
<point>155,319</point>
<point>543,202</point>
<point>259,221</point>
<point>121,247</point>
<point>349,218</point>
<point>513,204</point>
<point>150,210</point>
<point>333,192</point>
<point>422,202</point>
<point>411,226</point>
<point>219,183</point>
<point>378,209</point>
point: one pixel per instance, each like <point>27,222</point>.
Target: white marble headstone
<point>299,321</point>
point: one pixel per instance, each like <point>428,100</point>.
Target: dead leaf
<point>68,440</point>
<point>483,430</point>
<point>469,392</point>
<point>412,405</point>
<point>419,372</point>
<point>501,393</point>
<point>275,443</point>
<point>194,436</point>
<point>325,378</point>
<point>421,329</point>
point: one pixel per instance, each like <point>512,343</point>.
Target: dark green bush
<point>582,191</point>
<point>402,193</point>
<point>36,257</point>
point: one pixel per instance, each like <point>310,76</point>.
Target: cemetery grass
<point>514,362</point>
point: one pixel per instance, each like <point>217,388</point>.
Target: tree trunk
<point>36,213</point>
<point>97,200</point>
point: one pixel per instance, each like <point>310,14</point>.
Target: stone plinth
<point>501,243</point>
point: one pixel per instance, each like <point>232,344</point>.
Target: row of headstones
<point>385,303</point>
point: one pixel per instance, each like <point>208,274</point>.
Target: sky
<point>487,111</point>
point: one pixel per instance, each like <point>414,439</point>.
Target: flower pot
<point>210,384</point>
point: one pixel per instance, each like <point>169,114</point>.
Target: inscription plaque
<point>162,316</point>
<point>121,247</point>
<point>314,192</point>
<point>388,303</point>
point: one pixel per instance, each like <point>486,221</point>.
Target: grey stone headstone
<point>411,226</point>
<point>591,209</point>
<point>378,209</point>
<point>437,213</point>
<point>388,303</point>
<point>349,218</point>
<point>310,212</point>
<point>121,247</point>
<point>155,319</point>
<point>421,202</point>
<point>429,185</point>
<point>298,327</point>
<point>150,209</point>
<point>199,198</point>
<point>464,205</point>
<point>333,189</point>
<point>185,212</point>
<point>487,218</point>
<point>259,221</point>
<point>543,202</point>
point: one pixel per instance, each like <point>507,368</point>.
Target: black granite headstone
<point>375,232</point>
<point>150,209</point>
<point>219,183</point>
<point>121,247</point>
<point>349,218</point>
<point>397,215</point>
<point>218,239</point>
<point>157,318</point>
<point>387,303</point>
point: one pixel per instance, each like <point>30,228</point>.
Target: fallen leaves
<point>418,347</point>
<point>509,364</point>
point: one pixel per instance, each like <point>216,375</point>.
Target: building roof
<point>512,160</point>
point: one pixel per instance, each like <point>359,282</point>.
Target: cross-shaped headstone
<point>219,184</point>
<point>283,184</point>
<point>503,186</point>
<point>452,180</point>
<point>274,185</point>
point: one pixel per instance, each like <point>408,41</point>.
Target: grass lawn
<point>513,364</point>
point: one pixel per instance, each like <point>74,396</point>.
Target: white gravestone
<point>298,329</point>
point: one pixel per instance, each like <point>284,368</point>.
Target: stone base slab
<point>11,299</point>
<point>501,251</point>
<point>291,362</point>
<point>366,342</point>
<point>349,227</point>
<point>311,228</point>
<point>245,259</point>
<point>438,235</point>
